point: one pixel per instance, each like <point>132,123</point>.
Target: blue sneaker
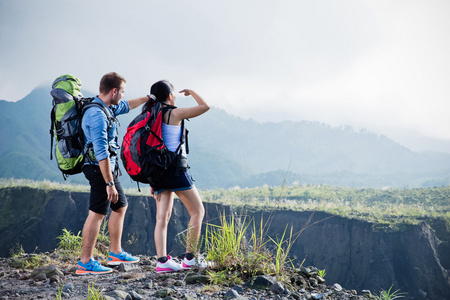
<point>121,258</point>
<point>92,267</point>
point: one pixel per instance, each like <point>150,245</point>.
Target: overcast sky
<point>379,65</point>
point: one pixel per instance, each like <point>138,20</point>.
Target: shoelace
<point>124,254</point>
<point>95,263</point>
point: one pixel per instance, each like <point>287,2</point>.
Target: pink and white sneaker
<point>168,266</point>
<point>200,263</point>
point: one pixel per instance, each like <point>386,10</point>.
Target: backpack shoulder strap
<point>168,108</point>
<point>108,114</point>
<point>52,133</point>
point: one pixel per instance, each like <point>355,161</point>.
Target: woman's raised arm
<point>182,113</point>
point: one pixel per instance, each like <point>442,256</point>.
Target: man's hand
<point>113,195</point>
<point>152,192</point>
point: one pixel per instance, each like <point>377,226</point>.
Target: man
<point>101,168</point>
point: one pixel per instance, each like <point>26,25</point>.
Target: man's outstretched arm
<point>133,103</point>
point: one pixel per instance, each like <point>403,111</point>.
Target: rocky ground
<point>57,280</point>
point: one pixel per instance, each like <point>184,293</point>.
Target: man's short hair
<point>109,81</point>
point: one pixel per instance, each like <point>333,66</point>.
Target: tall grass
<point>281,253</point>
<point>224,242</point>
<point>242,248</point>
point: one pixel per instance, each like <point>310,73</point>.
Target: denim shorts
<point>99,197</point>
<point>173,182</point>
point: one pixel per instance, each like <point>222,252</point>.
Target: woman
<point>176,181</point>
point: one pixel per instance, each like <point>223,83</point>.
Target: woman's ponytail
<point>159,92</point>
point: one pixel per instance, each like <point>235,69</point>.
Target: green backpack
<point>69,106</point>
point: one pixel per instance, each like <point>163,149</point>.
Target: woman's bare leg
<point>193,203</point>
<point>164,204</point>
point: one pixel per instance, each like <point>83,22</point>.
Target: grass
<point>71,244</point>
<point>24,261</point>
<point>51,185</point>
<point>68,241</point>
<point>35,261</point>
<point>240,250</point>
<point>321,273</point>
<point>228,247</point>
<point>389,294</point>
<point>282,252</point>
<point>16,251</point>
<point>390,208</point>
<point>94,292</point>
<point>59,291</point>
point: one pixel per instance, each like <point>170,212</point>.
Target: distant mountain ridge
<point>229,151</point>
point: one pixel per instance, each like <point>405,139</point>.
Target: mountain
<point>227,151</point>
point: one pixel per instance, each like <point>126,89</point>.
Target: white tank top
<point>171,135</point>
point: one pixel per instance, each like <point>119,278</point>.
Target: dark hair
<point>110,81</point>
<point>159,92</point>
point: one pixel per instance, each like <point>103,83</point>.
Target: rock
<point>316,296</point>
<point>313,282</point>
<point>128,267</point>
<point>17,263</point>
<point>164,293</point>
<point>299,280</point>
<point>232,294</point>
<point>238,289</point>
<point>149,285</point>
<point>168,282</point>
<point>366,292</point>
<point>40,277</point>
<point>120,294</point>
<point>262,282</point>
<point>197,278</point>
<point>277,288</point>
<point>135,296</point>
<point>179,283</point>
<point>55,279</point>
<point>296,296</point>
<point>305,270</point>
<point>336,287</point>
<point>49,271</point>
<point>187,297</point>
<point>68,288</point>
<point>25,276</point>
<point>133,275</point>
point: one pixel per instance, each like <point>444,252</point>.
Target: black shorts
<point>99,197</point>
<point>174,182</point>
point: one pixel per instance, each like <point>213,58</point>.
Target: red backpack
<point>144,155</point>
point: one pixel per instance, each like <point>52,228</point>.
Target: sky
<point>381,65</point>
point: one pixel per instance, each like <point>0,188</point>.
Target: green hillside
<point>228,151</point>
